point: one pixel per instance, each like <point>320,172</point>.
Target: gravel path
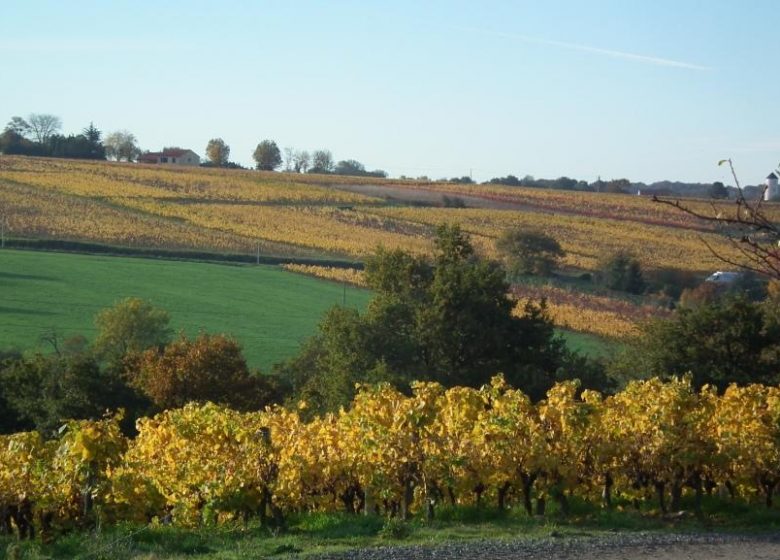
<point>644,546</point>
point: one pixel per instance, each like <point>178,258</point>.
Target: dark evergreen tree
<point>729,340</point>
<point>450,320</point>
<point>94,138</point>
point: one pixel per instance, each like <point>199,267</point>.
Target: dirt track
<point>613,547</point>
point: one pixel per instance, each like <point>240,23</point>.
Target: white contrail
<point>658,61</point>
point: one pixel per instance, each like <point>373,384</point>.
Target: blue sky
<point>645,90</point>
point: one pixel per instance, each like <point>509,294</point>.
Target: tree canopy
<point>321,162</point>
<point>208,368</point>
<point>121,146</point>
<point>45,391</point>
<point>728,340</point>
<point>355,168</point>
<point>529,252</point>
<point>40,137</point>
<point>621,272</point>
<point>449,320</point>
<point>267,155</point>
<point>218,152</point>
<point>131,326</point>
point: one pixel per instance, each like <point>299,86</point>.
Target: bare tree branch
<point>750,231</point>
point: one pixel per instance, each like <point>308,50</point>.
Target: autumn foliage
<point>398,454</point>
<point>208,368</point>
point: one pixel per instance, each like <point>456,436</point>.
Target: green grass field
<point>590,344</point>
<point>268,310</point>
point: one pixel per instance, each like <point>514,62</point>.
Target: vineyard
<point>298,215</point>
<point>398,455</point>
<point>237,210</point>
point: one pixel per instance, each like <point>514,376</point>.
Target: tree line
<point>716,190</point>
<point>39,135</point>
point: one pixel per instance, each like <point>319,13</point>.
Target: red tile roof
<point>167,153</point>
<point>174,152</point>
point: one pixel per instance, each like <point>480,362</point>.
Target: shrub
<point>395,528</point>
<point>529,252</point>
<point>209,368</point>
<point>622,272</point>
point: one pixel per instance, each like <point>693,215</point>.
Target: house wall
<point>190,158</point>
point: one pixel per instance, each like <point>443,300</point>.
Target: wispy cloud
<point>641,58</point>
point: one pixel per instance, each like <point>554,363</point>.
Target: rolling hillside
<point>342,218</point>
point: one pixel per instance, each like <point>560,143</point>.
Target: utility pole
<point>258,253</point>
<point>3,222</point>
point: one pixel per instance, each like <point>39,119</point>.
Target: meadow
<point>268,310</point>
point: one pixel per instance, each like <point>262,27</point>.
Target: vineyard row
<point>395,454</point>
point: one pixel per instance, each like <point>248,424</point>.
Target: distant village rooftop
<point>171,156</point>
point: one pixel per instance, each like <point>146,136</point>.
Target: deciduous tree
<point>42,126</point>
<point>18,125</point>
<point>267,155</point>
<point>121,146</point>
<point>529,252</point>
<point>301,161</point>
<point>718,190</point>
<point>752,232</point>
<point>218,152</point>
<point>132,325</point>
<point>621,272</point>
<point>321,162</point>
<point>208,368</point>
<point>45,391</point>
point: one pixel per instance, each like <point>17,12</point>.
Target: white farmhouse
<point>171,156</point>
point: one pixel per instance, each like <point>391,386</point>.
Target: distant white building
<point>772,191</point>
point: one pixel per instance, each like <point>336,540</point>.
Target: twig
<point>744,230</point>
